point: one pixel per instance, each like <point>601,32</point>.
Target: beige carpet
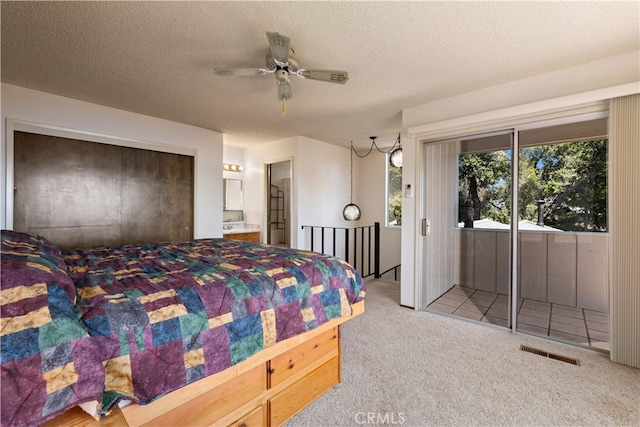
<point>412,368</point>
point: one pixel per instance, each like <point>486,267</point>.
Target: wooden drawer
<point>212,405</point>
<point>297,396</point>
<point>305,357</point>
<point>255,418</point>
<point>248,237</point>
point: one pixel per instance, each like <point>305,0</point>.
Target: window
<point>562,186</point>
<point>484,188</point>
<point>569,181</point>
<point>394,195</point>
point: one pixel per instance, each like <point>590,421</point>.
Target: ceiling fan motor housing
<point>292,64</point>
<point>282,75</point>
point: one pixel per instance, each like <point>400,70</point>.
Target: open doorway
<point>278,199</point>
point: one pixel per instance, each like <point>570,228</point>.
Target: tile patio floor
<point>574,325</point>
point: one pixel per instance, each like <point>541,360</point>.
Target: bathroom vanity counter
<point>246,234</point>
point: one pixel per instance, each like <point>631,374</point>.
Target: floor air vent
<point>550,355</point>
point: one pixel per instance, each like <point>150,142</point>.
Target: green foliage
<point>484,178</point>
<point>394,215</point>
<point>574,185</point>
<point>571,179</point>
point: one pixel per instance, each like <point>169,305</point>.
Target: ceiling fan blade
<point>331,76</point>
<point>279,46</point>
<point>240,71</point>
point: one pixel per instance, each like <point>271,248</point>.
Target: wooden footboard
<point>264,390</point>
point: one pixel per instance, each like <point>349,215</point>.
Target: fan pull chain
<point>284,107</point>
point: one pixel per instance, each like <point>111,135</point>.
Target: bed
<point>200,332</point>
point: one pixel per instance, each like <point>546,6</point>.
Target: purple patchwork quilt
<point>49,363</point>
<point>139,321</point>
<point>192,309</point>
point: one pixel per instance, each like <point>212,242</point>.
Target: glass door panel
<point>562,237</point>
<point>467,223</point>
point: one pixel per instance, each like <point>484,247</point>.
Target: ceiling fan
<point>282,62</point>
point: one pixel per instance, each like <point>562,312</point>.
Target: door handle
<point>426,226</point>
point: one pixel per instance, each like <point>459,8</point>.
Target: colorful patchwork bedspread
<point>49,363</point>
<point>153,318</point>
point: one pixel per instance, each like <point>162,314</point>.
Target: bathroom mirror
<point>232,195</point>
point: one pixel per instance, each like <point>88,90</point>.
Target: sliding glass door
<point>563,239</point>
<point>467,227</point>
<point>543,240</point>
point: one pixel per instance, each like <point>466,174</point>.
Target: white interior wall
<point>595,75</point>
<point>255,180</point>
<point>319,183</point>
<point>45,109</point>
<point>582,87</point>
<point>321,189</point>
<point>371,197</point>
<point>323,184</point>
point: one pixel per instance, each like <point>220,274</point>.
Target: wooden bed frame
<point>265,390</point>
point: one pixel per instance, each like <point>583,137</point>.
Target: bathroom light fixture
<point>232,168</point>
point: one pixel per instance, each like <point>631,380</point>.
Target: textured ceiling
<point>157,58</point>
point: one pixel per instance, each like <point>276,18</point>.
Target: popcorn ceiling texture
<point>157,58</point>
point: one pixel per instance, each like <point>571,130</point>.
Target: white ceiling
<point>157,58</point>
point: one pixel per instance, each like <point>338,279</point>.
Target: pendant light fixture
<point>395,157</point>
<point>395,152</point>
<point>351,212</point>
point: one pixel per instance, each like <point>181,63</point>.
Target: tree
<point>394,214</point>
<point>484,179</point>
<point>570,178</point>
<point>575,187</point>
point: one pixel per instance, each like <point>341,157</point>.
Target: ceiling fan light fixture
<point>284,93</point>
<point>284,90</point>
